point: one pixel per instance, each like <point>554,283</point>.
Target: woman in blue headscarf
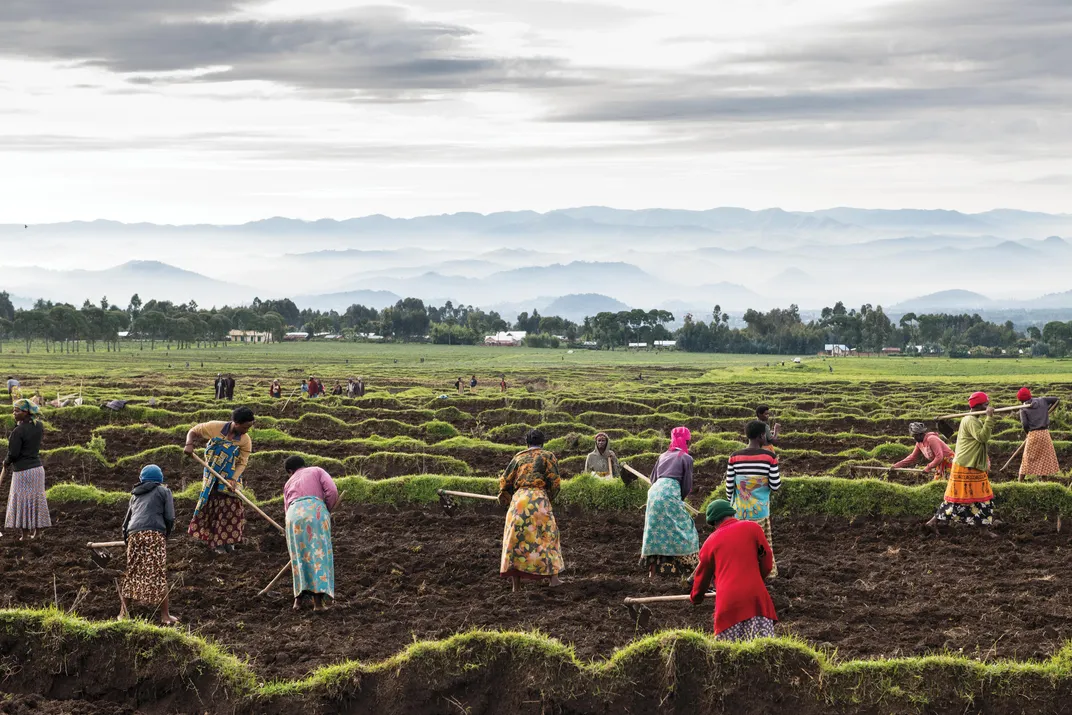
<point>149,521</point>
<point>27,507</point>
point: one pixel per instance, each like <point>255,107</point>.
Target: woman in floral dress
<point>531,548</point>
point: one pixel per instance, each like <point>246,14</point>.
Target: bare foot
<point>297,604</point>
<point>169,621</point>
<point>515,582</point>
<point>555,582</point>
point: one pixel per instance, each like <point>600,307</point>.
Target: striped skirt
<point>27,507</point>
<point>1040,458</point>
<point>312,562</point>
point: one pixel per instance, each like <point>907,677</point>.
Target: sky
<point>221,111</point>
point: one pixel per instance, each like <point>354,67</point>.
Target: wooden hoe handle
<point>238,492</point>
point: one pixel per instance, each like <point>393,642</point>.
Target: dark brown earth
<point>868,588</point>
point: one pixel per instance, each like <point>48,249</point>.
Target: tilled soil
<point>869,588</point>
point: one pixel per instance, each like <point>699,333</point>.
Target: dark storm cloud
<point>376,50</point>
<point>910,59</point>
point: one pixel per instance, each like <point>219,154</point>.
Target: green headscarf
<point>718,510</point>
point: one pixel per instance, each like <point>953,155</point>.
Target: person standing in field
<point>360,387</point>
<point>219,518</point>
<point>531,548</point>
<point>304,388</point>
<point>230,386</point>
<point>351,388</point>
<point>458,385</point>
<point>314,387</point>
<point>276,390</point>
<point>670,543</point>
<point>751,475</point>
<point>931,447</point>
<point>337,389</point>
<point>12,388</point>
<point>27,507</point>
<point>219,386</point>
<point>1040,458</point>
<point>149,521</point>
<point>602,461</point>
<point>737,558</point>
<point>309,497</point>
<point>968,495</point>
<point>502,384</point>
<point>763,414</point>
<point>472,384</point>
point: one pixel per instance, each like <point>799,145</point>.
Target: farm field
<point>860,580</point>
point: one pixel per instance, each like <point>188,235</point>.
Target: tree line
<point>63,327</point>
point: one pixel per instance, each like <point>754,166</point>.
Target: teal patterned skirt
<point>309,542</point>
<point>670,538</point>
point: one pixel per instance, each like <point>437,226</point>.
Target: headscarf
<point>917,428</point>
<point>978,398</point>
<point>25,405</point>
<point>604,436</point>
<point>1024,394</point>
<point>718,510</point>
<point>152,473</point>
<point>679,439</point>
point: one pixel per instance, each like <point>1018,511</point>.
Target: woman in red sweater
<point>738,558</point>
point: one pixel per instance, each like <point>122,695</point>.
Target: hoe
<point>450,507</point>
<point>640,612</point>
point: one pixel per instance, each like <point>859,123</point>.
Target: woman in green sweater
<point>968,495</point>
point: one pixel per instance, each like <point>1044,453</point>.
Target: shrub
<point>437,430</point>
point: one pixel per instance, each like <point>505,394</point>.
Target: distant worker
<point>149,521</point>
<point>458,385</point>
<point>969,499</point>
<point>360,387</point>
<point>309,497</point>
<point>602,461</point>
<point>670,544</point>
<point>12,388</point>
<point>502,384</point>
<point>314,387</point>
<point>351,388</point>
<point>931,447</point>
<point>276,390</point>
<point>1040,458</point>
<point>531,548</point>
<point>337,389</point>
<point>751,476</point>
<point>219,518</point>
<point>219,387</point>
<point>736,558</point>
<point>304,388</point>
<point>27,507</point>
<point>230,386</point>
<point>472,384</point>
<point>764,415</point>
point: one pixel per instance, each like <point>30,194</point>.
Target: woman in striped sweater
<point>751,476</point>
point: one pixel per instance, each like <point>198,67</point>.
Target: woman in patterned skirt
<point>309,497</point>
<point>969,498</point>
<point>670,545</point>
<point>220,518</point>
<point>531,548</point>
<point>149,521</point>
<point>1040,457</point>
<point>27,507</point>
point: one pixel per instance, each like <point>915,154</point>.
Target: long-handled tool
<point>289,398</point>
<point>3,471</point>
<point>450,506</point>
<point>634,474</point>
<point>237,491</point>
<point>278,577</point>
<point>998,411</point>
<point>868,468</point>
<point>102,558</point>
<point>640,612</point>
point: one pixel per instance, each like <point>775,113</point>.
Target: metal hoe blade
<point>640,614</point>
<point>100,558</point>
<point>450,507</point>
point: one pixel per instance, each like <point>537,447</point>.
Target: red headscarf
<point>978,398</point>
<point>679,439</point>
<point>1024,394</point>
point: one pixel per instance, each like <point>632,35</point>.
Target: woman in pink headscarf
<point>671,544</point>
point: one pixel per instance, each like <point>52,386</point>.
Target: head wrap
<point>604,436</point>
<point>917,428</point>
<point>679,439</point>
<point>1024,394</point>
<point>25,405</point>
<point>978,398</point>
<point>152,473</point>
<point>718,510</point>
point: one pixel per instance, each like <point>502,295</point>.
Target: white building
<point>249,336</point>
<point>509,338</point>
<point>296,336</point>
<point>836,350</point>
<point>666,343</point>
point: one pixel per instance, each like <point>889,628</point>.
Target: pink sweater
<point>932,448</point>
<point>310,482</point>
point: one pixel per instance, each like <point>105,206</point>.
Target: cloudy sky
<point>227,111</point>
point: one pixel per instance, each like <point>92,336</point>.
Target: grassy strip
<point>654,667</point>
